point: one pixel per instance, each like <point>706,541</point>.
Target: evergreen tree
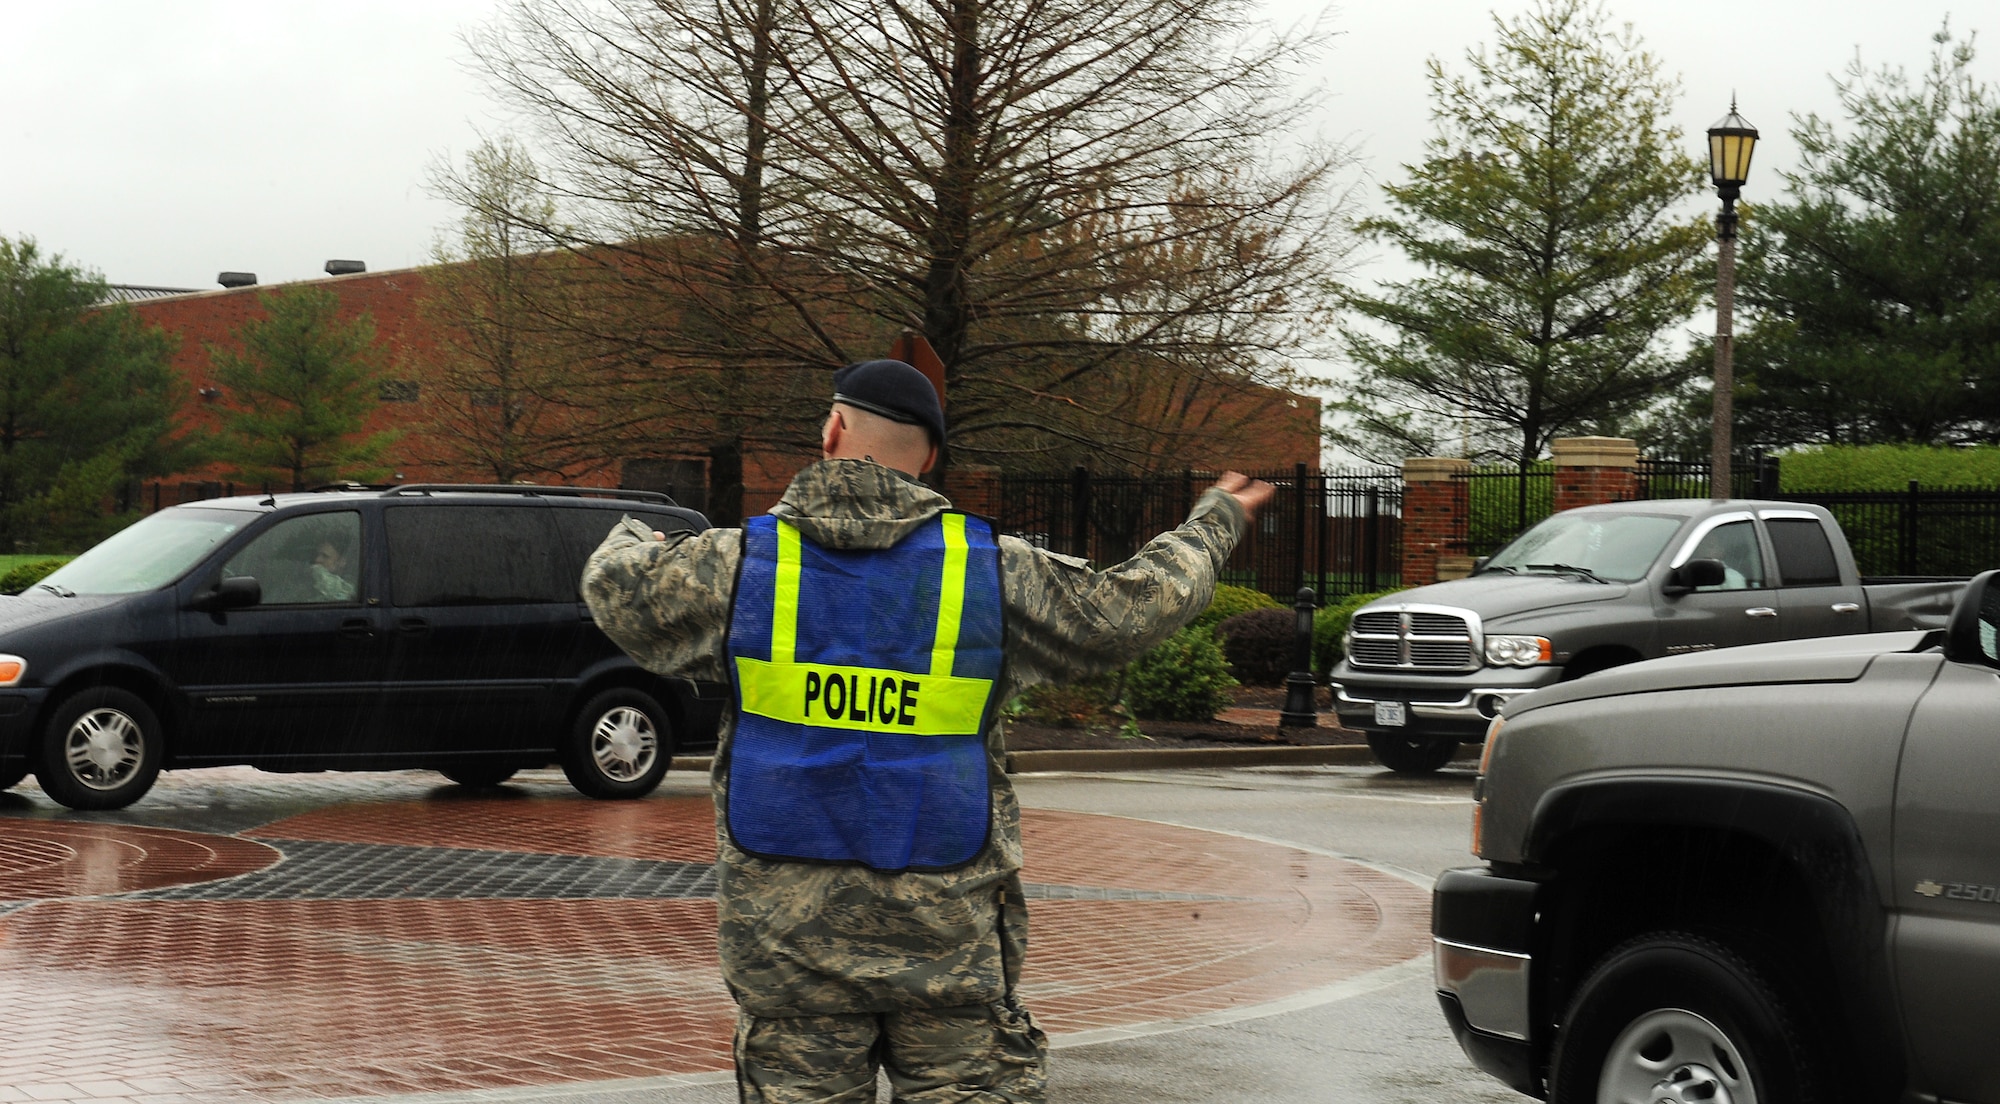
<point>301,390</point>
<point>1873,289</point>
<point>88,402</point>
<point>1543,216</point>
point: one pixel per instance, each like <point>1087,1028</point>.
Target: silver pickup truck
<point>1768,875</point>
<point>1600,587</point>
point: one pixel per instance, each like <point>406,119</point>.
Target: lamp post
<point>1730,143</point>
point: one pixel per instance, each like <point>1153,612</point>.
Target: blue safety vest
<point>864,684</point>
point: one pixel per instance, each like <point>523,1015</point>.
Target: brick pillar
<point>1594,470</point>
<point>1435,515</point>
<point>975,489</point>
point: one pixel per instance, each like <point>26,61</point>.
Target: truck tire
<point>1412,754</point>
<point>619,745</point>
<point>101,749</point>
<point>1671,1016</point>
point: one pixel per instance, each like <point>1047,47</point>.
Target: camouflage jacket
<point>803,938</point>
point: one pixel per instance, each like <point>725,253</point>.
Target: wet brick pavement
<point>240,936</point>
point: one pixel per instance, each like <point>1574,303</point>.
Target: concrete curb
<point>1145,758</point>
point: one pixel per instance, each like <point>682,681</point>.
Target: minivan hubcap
<point>624,744</point>
<point>104,747</point>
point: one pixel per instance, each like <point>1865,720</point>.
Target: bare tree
<point>512,390</point>
<point>1050,191</point>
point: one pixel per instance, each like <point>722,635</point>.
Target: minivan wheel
<point>478,776</point>
<point>101,750</point>
<point>619,745</point>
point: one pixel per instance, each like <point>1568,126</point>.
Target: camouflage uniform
<point>833,966</point>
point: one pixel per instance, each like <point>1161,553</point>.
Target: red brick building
<point>1252,429</point>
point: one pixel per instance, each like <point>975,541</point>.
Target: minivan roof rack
<point>529,489</point>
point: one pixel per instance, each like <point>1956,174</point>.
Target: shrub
<point>1887,467</point>
<point>1183,678</point>
<point>1330,625</point>
<point>1230,601</point>
<point>1066,705</point>
<point>1259,645</point>
<point>23,576</point>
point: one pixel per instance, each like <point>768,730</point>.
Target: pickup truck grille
<point>1413,640</point>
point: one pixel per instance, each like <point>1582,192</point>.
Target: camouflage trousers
<point>989,1053</point>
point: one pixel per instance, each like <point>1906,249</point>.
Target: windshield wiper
<point>1508,568</point>
<point>1567,569</point>
<point>61,592</point>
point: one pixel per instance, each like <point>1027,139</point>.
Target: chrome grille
<point>1427,640</point>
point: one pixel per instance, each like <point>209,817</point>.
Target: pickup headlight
<point>1518,651</point>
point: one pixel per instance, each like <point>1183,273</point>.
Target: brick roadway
<point>239,936</point>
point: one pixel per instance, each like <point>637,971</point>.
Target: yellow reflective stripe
<point>951,596</point>
<point>785,595</point>
<point>867,699</point>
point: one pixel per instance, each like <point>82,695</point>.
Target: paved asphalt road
<point>1378,1040</point>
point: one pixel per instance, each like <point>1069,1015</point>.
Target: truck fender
<point>1814,837</point>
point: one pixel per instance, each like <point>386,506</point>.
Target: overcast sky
<point>163,143</point>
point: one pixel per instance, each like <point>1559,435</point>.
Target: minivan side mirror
<point>1694,575</point>
<point>235,592</point>
<point>1970,635</point>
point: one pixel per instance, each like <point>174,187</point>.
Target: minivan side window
<point>1805,556</point>
<point>474,555</point>
<point>313,560</point>
<point>583,529</point>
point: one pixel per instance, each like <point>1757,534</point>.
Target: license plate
<point>1390,714</point>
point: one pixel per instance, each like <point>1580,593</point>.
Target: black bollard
<point>1301,711</point>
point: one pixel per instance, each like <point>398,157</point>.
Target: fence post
<point>1299,525</point>
<point>1591,471</point>
<point>1323,527</point>
<point>1906,555</point>
<point>1371,540</point>
<point>1434,514</point>
<point>1079,518</point>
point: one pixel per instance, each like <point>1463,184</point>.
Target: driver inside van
<point>333,578</point>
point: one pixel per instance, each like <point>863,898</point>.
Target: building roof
<point>132,293</point>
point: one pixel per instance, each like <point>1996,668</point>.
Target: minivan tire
<point>100,750</point>
<point>619,745</point>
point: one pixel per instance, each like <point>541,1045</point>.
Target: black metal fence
<point>1503,502</point>
<point>1339,532</point>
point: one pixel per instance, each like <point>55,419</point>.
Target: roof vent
<point>344,268</point>
<point>237,279</point>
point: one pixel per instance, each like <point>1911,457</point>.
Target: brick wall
<point>1434,515</point>
<point>1593,470</point>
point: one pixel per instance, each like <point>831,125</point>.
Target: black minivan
<point>423,626</point>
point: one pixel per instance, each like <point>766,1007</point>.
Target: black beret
<point>894,390</point>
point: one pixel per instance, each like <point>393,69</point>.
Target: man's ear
<point>930,461</point>
<point>830,433</point>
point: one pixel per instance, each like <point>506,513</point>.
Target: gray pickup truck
<point>1600,587</point>
<point>1762,876</point>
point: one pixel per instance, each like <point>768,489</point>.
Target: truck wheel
<point>619,745</point>
<point>101,750</point>
<point>1676,1017</point>
<point>1412,754</point>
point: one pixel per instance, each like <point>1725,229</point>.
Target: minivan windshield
<point>1607,547</point>
<point>149,553</point>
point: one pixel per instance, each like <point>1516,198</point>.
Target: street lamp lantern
<point>1731,141</point>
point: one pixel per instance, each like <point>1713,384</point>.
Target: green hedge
<point>26,571</point>
<point>1184,678</point>
<point>1231,600</point>
<point>1887,467</point>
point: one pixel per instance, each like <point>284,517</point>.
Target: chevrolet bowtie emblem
<point>1929,888</point>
